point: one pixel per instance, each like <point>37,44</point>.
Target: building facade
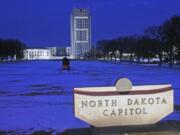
<point>80,32</point>
<point>68,51</point>
<point>53,50</point>
<point>37,54</point>
<point>61,51</point>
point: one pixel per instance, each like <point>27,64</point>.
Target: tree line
<point>161,42</point>
<point>11,49</point>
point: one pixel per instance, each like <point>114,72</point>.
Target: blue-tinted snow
<point>38,95</point>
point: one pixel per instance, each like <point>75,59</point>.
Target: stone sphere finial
<point>123,84</point>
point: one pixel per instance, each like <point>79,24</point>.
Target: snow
<point>38,95</point>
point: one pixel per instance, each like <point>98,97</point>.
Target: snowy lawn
<point>38,95</point>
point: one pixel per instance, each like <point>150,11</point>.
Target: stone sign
<point>106,106</point>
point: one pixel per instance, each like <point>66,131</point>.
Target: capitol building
<point>80,40</point>
<point>80,32</point>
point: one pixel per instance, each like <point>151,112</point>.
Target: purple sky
<point>47,22</point>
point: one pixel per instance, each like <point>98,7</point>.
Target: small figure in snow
<point>65,64</point>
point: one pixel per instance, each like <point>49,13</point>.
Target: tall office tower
<point>80,32</point>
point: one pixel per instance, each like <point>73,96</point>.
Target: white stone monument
<point>124,104</point>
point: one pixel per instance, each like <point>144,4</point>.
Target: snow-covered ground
<point>38,95</point>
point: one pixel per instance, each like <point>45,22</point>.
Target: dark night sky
<point>47,22</point>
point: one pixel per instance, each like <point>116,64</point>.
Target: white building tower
<point>80,32</point>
